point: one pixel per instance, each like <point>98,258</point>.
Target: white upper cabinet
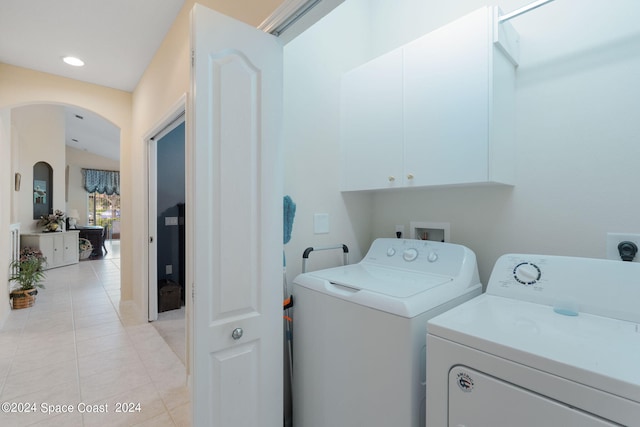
<point>445,111</point>
<point>371,120</point>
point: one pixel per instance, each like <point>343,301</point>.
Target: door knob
<point>237,333</point>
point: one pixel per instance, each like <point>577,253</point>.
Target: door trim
<point>150,297</point>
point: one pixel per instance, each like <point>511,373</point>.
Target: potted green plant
<point>28,273</point>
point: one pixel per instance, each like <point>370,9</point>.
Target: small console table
<point>94,234</point>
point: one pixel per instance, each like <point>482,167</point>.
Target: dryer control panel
<point>569,284</point>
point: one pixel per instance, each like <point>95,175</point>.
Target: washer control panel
<point>418,255</point>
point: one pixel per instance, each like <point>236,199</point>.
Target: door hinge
<point>193,58</point>
<point>193,292</point>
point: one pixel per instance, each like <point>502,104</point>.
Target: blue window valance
<point>100,181</point>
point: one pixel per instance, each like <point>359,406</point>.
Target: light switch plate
<point>321,223</point>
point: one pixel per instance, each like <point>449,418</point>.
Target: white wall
<point>313,65</point>
<point>577,131</point>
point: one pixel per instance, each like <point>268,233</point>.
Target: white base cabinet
<point>60,248</point>
<point>436,111</point>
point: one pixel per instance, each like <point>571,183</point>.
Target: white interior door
<point>235,196</point>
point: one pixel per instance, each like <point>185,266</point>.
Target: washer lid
<point>392,282</point>
<point>596,351</point>
<point>395,291</point>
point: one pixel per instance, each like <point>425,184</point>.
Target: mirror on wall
<point>42,189</point>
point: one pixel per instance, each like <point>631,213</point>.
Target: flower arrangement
<point>52,222</point>
<point>28,253</point>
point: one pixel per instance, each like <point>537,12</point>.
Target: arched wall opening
<point>21,87</point>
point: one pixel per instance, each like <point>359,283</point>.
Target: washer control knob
<point>410,254</point>
<point>391,252</point>
<point>432,257</point>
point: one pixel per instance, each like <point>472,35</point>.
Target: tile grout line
<point>75,346</point>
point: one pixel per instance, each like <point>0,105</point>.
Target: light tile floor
<point>80,347</point>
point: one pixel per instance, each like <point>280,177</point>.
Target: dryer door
<point>477,399</point>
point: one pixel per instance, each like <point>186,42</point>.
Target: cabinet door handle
<point>392,178</point>
<point>410,176</point>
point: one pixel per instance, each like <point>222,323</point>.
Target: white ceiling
<point>89,132</point>
<point>116,39</point>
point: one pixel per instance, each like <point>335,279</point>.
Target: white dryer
<point>359,332</point>
<point>554,341</point>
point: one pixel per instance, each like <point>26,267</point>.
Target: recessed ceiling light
<point>71,60</point>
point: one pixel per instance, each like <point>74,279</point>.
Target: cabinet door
<point>70,248</point>
<point>46,245</point>
<point>371,124</point>
<point>446,103</point>
<point>58,249</point>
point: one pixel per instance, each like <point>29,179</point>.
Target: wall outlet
<point>168,269</point>
<point>614,239</point>
<point>170,220</point>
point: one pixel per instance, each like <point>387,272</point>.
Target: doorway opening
<point>167,237</point>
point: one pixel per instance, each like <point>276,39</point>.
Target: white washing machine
<point>359,332</point>
<point>554,341</point>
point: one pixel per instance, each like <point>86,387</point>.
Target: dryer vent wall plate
<point>435,231</point>
<point>615,239</point>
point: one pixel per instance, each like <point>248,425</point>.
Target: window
<point>103,209</point>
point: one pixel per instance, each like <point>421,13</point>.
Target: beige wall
<point>40,133</point>
<point>6,191</point>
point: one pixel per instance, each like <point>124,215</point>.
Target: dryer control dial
<point>432,257</point>
<point>526,273</point>
<point>410,254</point>
<point>391,252</point>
